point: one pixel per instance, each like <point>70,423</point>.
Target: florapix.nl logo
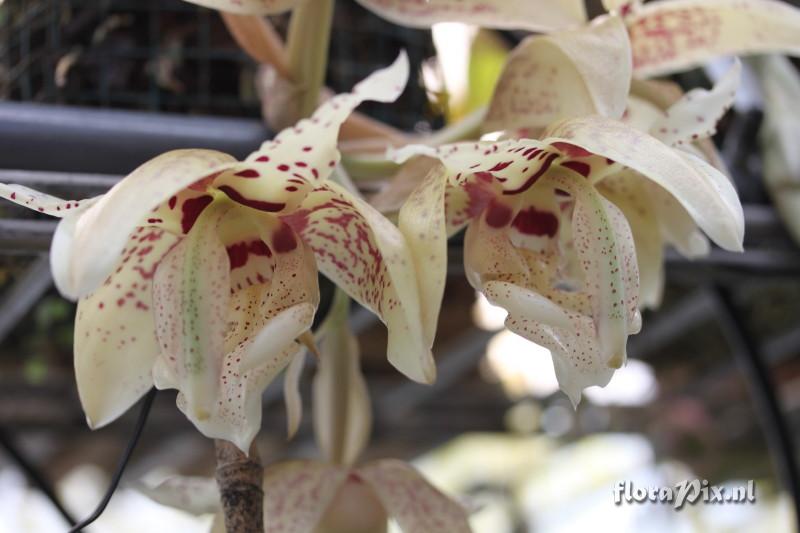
<point>686,492</point>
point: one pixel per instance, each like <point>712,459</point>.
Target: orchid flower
<point>334,495</point>
<point>542,239</point>
<point>673,35</point>
<point>597,83</point>
<point>198,272</point>
<point>536,15</point>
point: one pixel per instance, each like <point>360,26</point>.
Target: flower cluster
<point>198,272</point>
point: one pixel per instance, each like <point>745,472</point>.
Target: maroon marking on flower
<point>571,149</point>
<point>535,176</point>
<point>261,205</point>
<point>248,173</point>
<point>531,221</point>
<point>284,240</point>
<point>192,209</point>
<point>498,215</point>
<point>584,169</point>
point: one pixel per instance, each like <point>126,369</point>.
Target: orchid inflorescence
<point>198,272</point>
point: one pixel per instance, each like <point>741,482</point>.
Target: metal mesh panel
<point>168,55</point>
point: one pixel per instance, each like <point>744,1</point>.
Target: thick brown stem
<point>239,478</point>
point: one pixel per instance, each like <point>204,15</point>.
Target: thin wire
<point>123,462</point>
<point>33,474</point>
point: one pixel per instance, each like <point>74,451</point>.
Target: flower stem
<point>239,478</point>
<point>307,44</point>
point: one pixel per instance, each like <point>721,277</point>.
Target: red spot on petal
<point>261,205</point>
<point>248,173</point>
<point>192,209</point>
<point>584,169</point>
<point>284,239</point>
<point>262,158</point>
<point>172,202</point>
<point>571,149</point>
<point>498,215</point>
<point>531,221</point>
<point>283,168</point>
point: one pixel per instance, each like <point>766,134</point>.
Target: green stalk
<point>307,44</point>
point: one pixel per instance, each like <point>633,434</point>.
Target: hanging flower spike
<point>535,15</point>
<point>198,272</point>
<point>565,74</point>
<point>673,35</point>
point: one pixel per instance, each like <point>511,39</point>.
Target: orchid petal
<point>342,411</point>
<point>567,74</point>
<point>195,495</point>
<point>630,193</point>
<point>263,321</point>
<point>277,176</point>
<point>658,96</point>
<point>368,257</point>
<point>604,245</point>
<point>422,221</point>
<point>511,165</point>
<point>103,229</point>
<point>695,116</point>
<point>703,191</point>
<point>678,228</point>
<point>191,294</point>
<point>297,494</point>
<point>115,331</point>
<point>400,186</point>
<point>291,393</point>
<point>248,7</point>
<point>416,505</point>
<point>38,201</point>
<point>536,15</point>
<point>669,36</point>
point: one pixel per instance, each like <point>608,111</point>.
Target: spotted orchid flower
<point>673,35</point>
<point>536,15</point>
<point>597,83</point>
<point>334,495</point>
<point>546,238</point>
<point>198,272</point>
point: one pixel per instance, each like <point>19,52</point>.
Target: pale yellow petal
<point>195,495</point>
<point>297,494</point>
<point>115,331</point>
<point>342,410</point>
<point>369,258</point>
<point>416,505</point>
<point>672,35</point>
<point>696,114</point>
<point>703,191</point>
<point>567,74</point>
<point>103,229</point>
<point>191,293</point>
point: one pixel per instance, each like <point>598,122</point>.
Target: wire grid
<point>169,55</point>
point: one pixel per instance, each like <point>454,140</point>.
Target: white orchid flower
<point>536,15</point>
<point>198,272</point>
<point>334,495</point>
<point>543,239</point>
